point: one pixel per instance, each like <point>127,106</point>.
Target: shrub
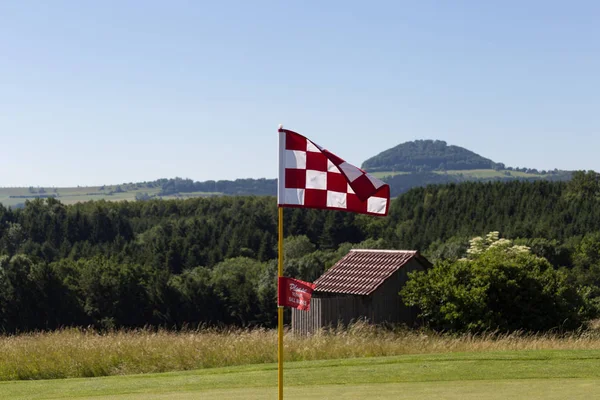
<point>498,286</point>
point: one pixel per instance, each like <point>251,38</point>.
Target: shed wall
<point>387,305</point>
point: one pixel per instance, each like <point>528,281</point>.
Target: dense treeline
<point>399,184</point>
<point>541,209</point>
<point>402,183</point>
<point>156,262</point>
<point>259,187</point>
<point>212,260</point>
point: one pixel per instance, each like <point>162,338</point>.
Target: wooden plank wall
<point>387,305</point>
<point>328,312</point>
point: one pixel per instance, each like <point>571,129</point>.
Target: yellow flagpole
<point>280,309</point>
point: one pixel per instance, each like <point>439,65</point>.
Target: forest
<point>176,263</point>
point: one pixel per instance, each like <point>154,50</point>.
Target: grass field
<point>76,353</point>
<point>490,173</point>
<point>385,174</point>
<point>472,173</point>
<point>72,195</point>
<point>539,374</point>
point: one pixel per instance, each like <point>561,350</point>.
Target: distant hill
<point>408,165</point>
<point>430,162</point>
<point>427,155</point>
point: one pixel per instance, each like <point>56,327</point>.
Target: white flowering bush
<point>493,242</point>
<point>498,286</point>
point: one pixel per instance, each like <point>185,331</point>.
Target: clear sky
<point>95,92</point>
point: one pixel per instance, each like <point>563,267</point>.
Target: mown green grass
<point>541,374</point>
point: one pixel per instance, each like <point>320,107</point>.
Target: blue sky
<point>120,91</point>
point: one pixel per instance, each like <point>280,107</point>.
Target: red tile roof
<point>361,272</point>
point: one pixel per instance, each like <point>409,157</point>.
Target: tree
<point>196,302</point>
<point>14,237</point>
<point>586,270</point>
<point>33,296</point>
<point>113,294</point>
<point>452,249</point>
<point>139,196</point>
<point>236,282</point>
<point>297,247</point>
<point>584,186</point>
<point>587,252</point>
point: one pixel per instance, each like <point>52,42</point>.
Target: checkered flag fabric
<point>312,177</point>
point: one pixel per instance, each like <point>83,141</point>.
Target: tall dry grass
<point>85,353</point>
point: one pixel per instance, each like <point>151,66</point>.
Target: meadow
<point>74,353</point>
<point>471,174</point>
<point>15,196</point>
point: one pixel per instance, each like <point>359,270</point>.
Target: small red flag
<point>294,293</point>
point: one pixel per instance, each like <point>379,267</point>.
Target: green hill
<point>429,162</point>
<point>427,155</point>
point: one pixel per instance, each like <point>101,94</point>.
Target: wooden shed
<point>362,285</point>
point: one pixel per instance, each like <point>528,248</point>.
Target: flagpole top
<point>280,127</point>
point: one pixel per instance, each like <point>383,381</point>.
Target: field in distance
<point>538,374</point>
<point>16,196</point>
<point>472,174</point>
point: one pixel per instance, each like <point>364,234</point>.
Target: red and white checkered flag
<point>312,177</point>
